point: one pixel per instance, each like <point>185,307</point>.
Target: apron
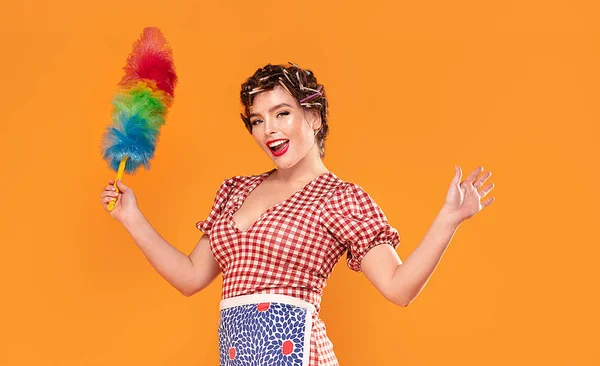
<point>265,330</point>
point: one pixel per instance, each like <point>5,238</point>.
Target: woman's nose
<point>270,126</point>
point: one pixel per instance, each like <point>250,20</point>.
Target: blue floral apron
<point>265,330</point>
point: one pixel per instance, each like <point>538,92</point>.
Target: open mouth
<point>279,147</point>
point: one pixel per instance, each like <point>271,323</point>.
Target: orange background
<point>413,89</point>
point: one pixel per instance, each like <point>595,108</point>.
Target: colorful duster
<point>140,105</point>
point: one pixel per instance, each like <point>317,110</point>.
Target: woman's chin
<point>285,161</point>
<point>282,165</point>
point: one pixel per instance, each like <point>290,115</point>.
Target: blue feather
<point>132,137</point>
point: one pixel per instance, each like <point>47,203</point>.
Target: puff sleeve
<point>220,200</point>
<point>356,221</point>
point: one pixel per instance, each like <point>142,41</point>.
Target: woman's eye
<point>282,114</point>
<point>255,122</point>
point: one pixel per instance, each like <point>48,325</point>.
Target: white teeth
<point>277,143</point>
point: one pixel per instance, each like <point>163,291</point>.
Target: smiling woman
<point>303,94</point>
<point>275,237</point>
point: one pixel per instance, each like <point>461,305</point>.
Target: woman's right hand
<point>126,203</point>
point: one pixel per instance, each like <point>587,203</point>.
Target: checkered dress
<point>293,247</point>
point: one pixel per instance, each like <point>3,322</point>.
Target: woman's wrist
<point>449,217</point>
<point>133,220</point>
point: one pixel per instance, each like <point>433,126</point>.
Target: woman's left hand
<point>463,200</point>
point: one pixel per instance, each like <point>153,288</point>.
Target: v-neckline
<point>261,178</point>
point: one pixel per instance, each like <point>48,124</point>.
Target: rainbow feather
<point>140,105</point>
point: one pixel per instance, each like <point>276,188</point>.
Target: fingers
<point>486,190</point>
<point>457,175</point>
<point>488,202</point>
<point>481,181</point>
<point>110,187</point>
<point>122,187</point>
<point>472,184</point>
<point>108,195</point>
<point>473,175</point>
<point>107,200</point>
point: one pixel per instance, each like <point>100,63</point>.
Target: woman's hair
<point>301,84</point>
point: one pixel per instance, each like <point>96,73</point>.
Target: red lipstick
<point>279,149</point>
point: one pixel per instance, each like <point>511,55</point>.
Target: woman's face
<point>282,128</point>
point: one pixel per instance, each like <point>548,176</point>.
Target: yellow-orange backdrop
<point>414,87</point>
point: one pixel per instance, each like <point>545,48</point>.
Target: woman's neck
<point>307,169</point>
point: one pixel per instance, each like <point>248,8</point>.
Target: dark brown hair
<point>300,83</point>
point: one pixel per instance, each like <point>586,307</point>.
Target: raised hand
<point>464,199</point>
<point>126,202</point>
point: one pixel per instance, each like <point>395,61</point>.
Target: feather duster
<point>140,105</point>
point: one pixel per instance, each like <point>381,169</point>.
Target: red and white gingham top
<point>293,247</point>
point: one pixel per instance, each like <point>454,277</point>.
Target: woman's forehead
<point>265,100</point>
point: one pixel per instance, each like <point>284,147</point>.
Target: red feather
<point>151,59</point>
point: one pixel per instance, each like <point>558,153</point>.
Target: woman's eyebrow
<point>271,109</point>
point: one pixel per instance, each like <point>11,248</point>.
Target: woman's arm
<point>188,274</point>
<point>402,282</point>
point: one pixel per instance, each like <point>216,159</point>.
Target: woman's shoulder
<point>342,187</point>
<point>241,180</point>
<point>334,192</point>
<point>237,183</point>
<point>348,197</point>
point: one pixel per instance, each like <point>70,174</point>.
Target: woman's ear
<point>314,119</point>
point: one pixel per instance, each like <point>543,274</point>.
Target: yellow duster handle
<point>111,204</point>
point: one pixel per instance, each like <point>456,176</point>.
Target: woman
<point>276,236</point>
